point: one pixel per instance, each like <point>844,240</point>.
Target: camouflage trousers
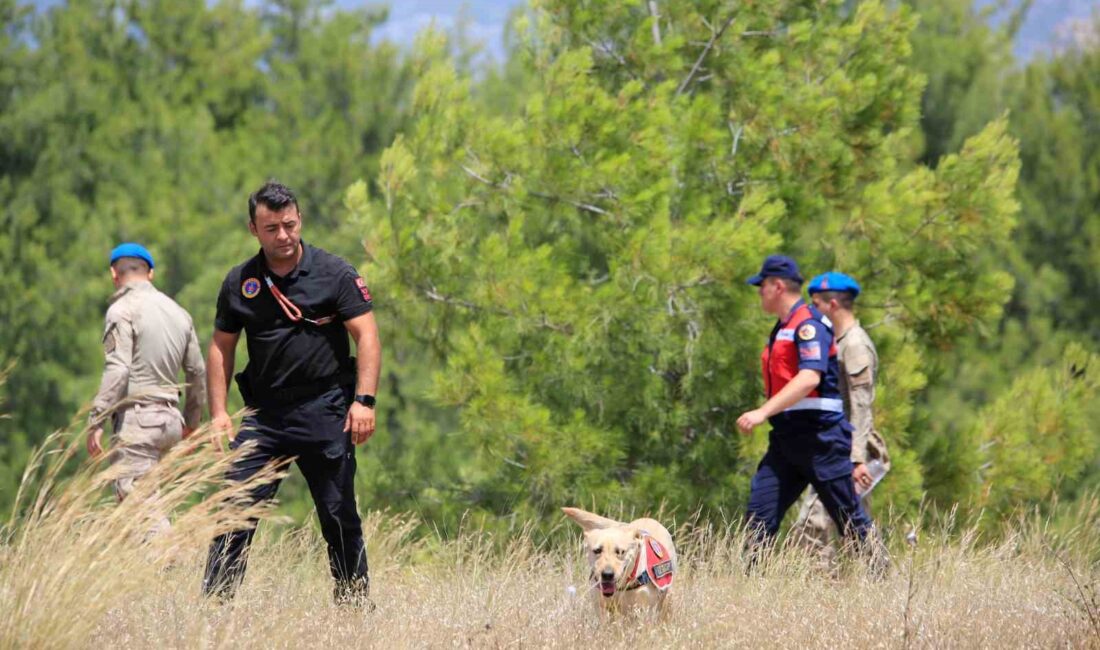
<point>816,532</point>
<point>143,435</point>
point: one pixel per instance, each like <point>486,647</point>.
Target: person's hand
<point>861,476</point>
<point>360,422</point>
<point>221,426</point>
<point>95,441</point>
<point>749,420</point>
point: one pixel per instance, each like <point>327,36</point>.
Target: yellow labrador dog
<point>632,564</point>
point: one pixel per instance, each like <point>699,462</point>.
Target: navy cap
<point>776,266</point>
<point>834,281</point>
<point>130,249</point>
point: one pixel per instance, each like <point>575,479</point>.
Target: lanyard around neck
<point>290,309</point>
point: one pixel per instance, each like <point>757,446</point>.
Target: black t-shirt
<point>283,353</point>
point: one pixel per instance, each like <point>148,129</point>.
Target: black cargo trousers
<point>311,432</point>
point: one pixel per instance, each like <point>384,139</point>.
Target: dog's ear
<point>588,520</point>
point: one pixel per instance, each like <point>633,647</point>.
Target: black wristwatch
<point>365,400</point>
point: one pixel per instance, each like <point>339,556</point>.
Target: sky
<point>1049,22</point>
<point>407,17</point>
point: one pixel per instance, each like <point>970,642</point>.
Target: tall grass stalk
<point>76,570</point>
<point>69,553</point>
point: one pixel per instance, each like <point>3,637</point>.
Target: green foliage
<point>1056,111</point>
<point>969,450</point>
<point>152,120</point>
<point>966,61</point>
<point>1040,435</point>
<point>579,265</point>
<point>557,245</point>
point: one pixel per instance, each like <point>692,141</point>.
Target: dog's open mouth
<point>607,589</point>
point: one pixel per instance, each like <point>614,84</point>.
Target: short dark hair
<point>128,265</point>
<point>792,285</point>
<point>843,298</point>
<point>273,195</point>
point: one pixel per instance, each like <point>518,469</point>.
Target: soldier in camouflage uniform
<point>147,340</point>
<point>834,295</point>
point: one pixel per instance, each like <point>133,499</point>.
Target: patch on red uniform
<point>362,286</point>
<point>810,351</point>
<point>807,332</point>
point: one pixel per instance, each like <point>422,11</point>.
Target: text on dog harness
<point>652,565</point>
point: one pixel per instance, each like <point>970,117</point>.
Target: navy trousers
<point>795,460</point>
<point>312,432</point>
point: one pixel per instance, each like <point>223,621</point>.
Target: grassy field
<point>75,572</point>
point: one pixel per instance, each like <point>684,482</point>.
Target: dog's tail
<point>588,520</point>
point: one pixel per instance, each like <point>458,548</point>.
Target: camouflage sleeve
<point>859,364</point>
<point>194,367</point>
<point>862,419</point>
<point>118,348</point>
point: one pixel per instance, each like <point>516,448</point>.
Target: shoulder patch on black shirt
<point>363,291</point>
<point>250,288</point>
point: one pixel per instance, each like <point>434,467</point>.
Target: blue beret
<point>776,266</point>
<point>130,249</point>
<point>834,281</point>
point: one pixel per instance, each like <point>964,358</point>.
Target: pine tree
<point>152,120</point>
<point>580,265</point>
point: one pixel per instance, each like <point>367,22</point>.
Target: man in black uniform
<point>313,401</point>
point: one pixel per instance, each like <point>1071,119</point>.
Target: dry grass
<point>75,573</point>
<point>68,552</point>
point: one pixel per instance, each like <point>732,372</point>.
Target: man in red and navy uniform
<point>810,441</point>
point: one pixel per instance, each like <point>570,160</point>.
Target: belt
<point>143,406</point>
<point>291,394</point>
<point>832,404</point>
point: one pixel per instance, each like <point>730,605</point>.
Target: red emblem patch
<point>362,286</point>
<point>658,568</point>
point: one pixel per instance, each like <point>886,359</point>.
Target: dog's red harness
<point>653,565</point>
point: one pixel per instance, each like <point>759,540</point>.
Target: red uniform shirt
<point>803,340</point>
